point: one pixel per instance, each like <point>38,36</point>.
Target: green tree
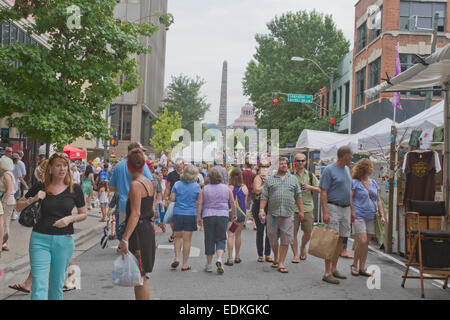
<point>58,94</point>
<point>306,34</point>
<point>183,96</point>
<point>163,128</point>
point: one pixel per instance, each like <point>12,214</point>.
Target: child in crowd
<point>114,218</point>
<point>103,192</point>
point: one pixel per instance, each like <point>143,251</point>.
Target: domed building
<point>246,120</point>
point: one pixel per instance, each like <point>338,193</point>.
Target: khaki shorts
<point>280,228</point>
<point>339,219</point>
<point>364,226</point>
<point>307,223</point>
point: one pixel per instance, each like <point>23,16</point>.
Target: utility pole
<point>105,142</point>
<point>433,50</point>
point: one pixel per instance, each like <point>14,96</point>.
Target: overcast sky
<point>207,32</point>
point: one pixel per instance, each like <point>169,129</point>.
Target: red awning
<point>74,153</point>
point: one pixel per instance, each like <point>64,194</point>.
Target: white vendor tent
<point>315,140</point>
<point>197,152</point>
<point>430,118</point>
<point>359,142</point>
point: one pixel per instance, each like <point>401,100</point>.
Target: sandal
<point>186,269</point>
<point>364,273</point>
<point>283,270</point>
<point>5,248</point>
<point>261,259</point>
<point>19,287</point>
<point>237,260</point>
<point>175,264</point>
<point>303,257</point>
<point>171,239</point>
<point>354,270</point>
<point>229,262</point>
<point>295,260</point>
<point>275,265</point>
<point>269,259</point>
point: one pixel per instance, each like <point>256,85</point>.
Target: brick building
<point>407,23</point>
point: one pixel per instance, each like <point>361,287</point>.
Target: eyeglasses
<point>300,160</point>
<point>265,166</point>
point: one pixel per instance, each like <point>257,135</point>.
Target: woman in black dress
<point>139,236</point>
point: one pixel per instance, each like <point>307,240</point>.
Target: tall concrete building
<point>130,113</point>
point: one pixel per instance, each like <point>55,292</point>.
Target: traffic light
<point>332,122</point>
<point>114,142</point>
<point>275,101</point>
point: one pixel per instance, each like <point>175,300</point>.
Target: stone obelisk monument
<point>223,102</point>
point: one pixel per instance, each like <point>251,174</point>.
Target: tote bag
<point>323,242</point>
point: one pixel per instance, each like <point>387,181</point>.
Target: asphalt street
<point>249,280</point>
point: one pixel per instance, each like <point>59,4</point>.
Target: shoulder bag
<point>31,215</point>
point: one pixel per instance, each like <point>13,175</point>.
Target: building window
<point>362,36</point>
<point>360,86</point>
<point>415,15</point>
<point>335,103</point>
<point>5,33</point>
<point>407,61</point>
<point>339,101</point>
<point>376,25</point>
<point>374,75</point>
<point>121,116</point>
<point>347,97</point>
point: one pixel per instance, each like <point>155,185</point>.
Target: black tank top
<point>146,206</point>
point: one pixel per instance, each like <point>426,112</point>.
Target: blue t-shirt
<point>338,183</point>
<point>363,205</point>
<point>121,179</point>
<point>186,198</point>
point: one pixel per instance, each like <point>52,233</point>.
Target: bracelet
<point>261,210</point>
<point>125,241</point>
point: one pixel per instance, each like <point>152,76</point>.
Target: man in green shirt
<point>282,192</point>
<point>309,184</point>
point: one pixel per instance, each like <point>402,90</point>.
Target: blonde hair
<point>362,168</point>
<point>40,170</point>
<point>48,177</point>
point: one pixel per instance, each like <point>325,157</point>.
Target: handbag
<point>31,215</point>
<point>323,242</point>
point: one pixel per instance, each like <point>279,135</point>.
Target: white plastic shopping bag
<point>126,272</point>
<point>169,213</point>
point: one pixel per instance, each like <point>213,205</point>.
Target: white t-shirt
<point>19,172</point>
<point>75,176</point>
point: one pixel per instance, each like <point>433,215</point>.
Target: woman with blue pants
<point>51,242</point>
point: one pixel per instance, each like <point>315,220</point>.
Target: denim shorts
<point>184,223</point>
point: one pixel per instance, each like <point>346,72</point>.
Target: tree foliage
<point>163,128</point>
<point>183,96</point>
<point>304,34</point>
<point>58,94</point>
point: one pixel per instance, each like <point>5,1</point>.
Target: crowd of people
<point>135,194</point>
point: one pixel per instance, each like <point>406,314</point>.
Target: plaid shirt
<point>281,194</point>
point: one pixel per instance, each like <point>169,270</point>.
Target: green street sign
<point>300,98</point>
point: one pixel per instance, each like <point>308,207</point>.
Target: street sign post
<point>300,98</point>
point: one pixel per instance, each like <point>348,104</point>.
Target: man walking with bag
<point>282,191</point>
<point>335,198</point>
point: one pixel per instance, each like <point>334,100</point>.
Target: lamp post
<point>330,77</point>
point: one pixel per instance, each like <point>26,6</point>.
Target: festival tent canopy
<point>366,137</point>
<point>315,140</point>
<point>430,118</point>
<point>74,153</point>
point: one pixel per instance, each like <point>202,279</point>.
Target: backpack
<point>104,175</point>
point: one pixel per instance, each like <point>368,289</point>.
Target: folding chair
<point>432,244</point>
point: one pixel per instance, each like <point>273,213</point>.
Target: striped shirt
<point>281,193</point>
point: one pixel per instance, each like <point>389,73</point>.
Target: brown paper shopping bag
<point>323,242</point>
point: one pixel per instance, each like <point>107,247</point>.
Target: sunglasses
<point>59,154</point>
<point>265,166</point>
<point>300,160</point>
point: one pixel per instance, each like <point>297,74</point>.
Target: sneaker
<point>14,216</point>
<point>338,275</point>
<point>330,279</point>
<point>208,268</point>
<point>219,267</point>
